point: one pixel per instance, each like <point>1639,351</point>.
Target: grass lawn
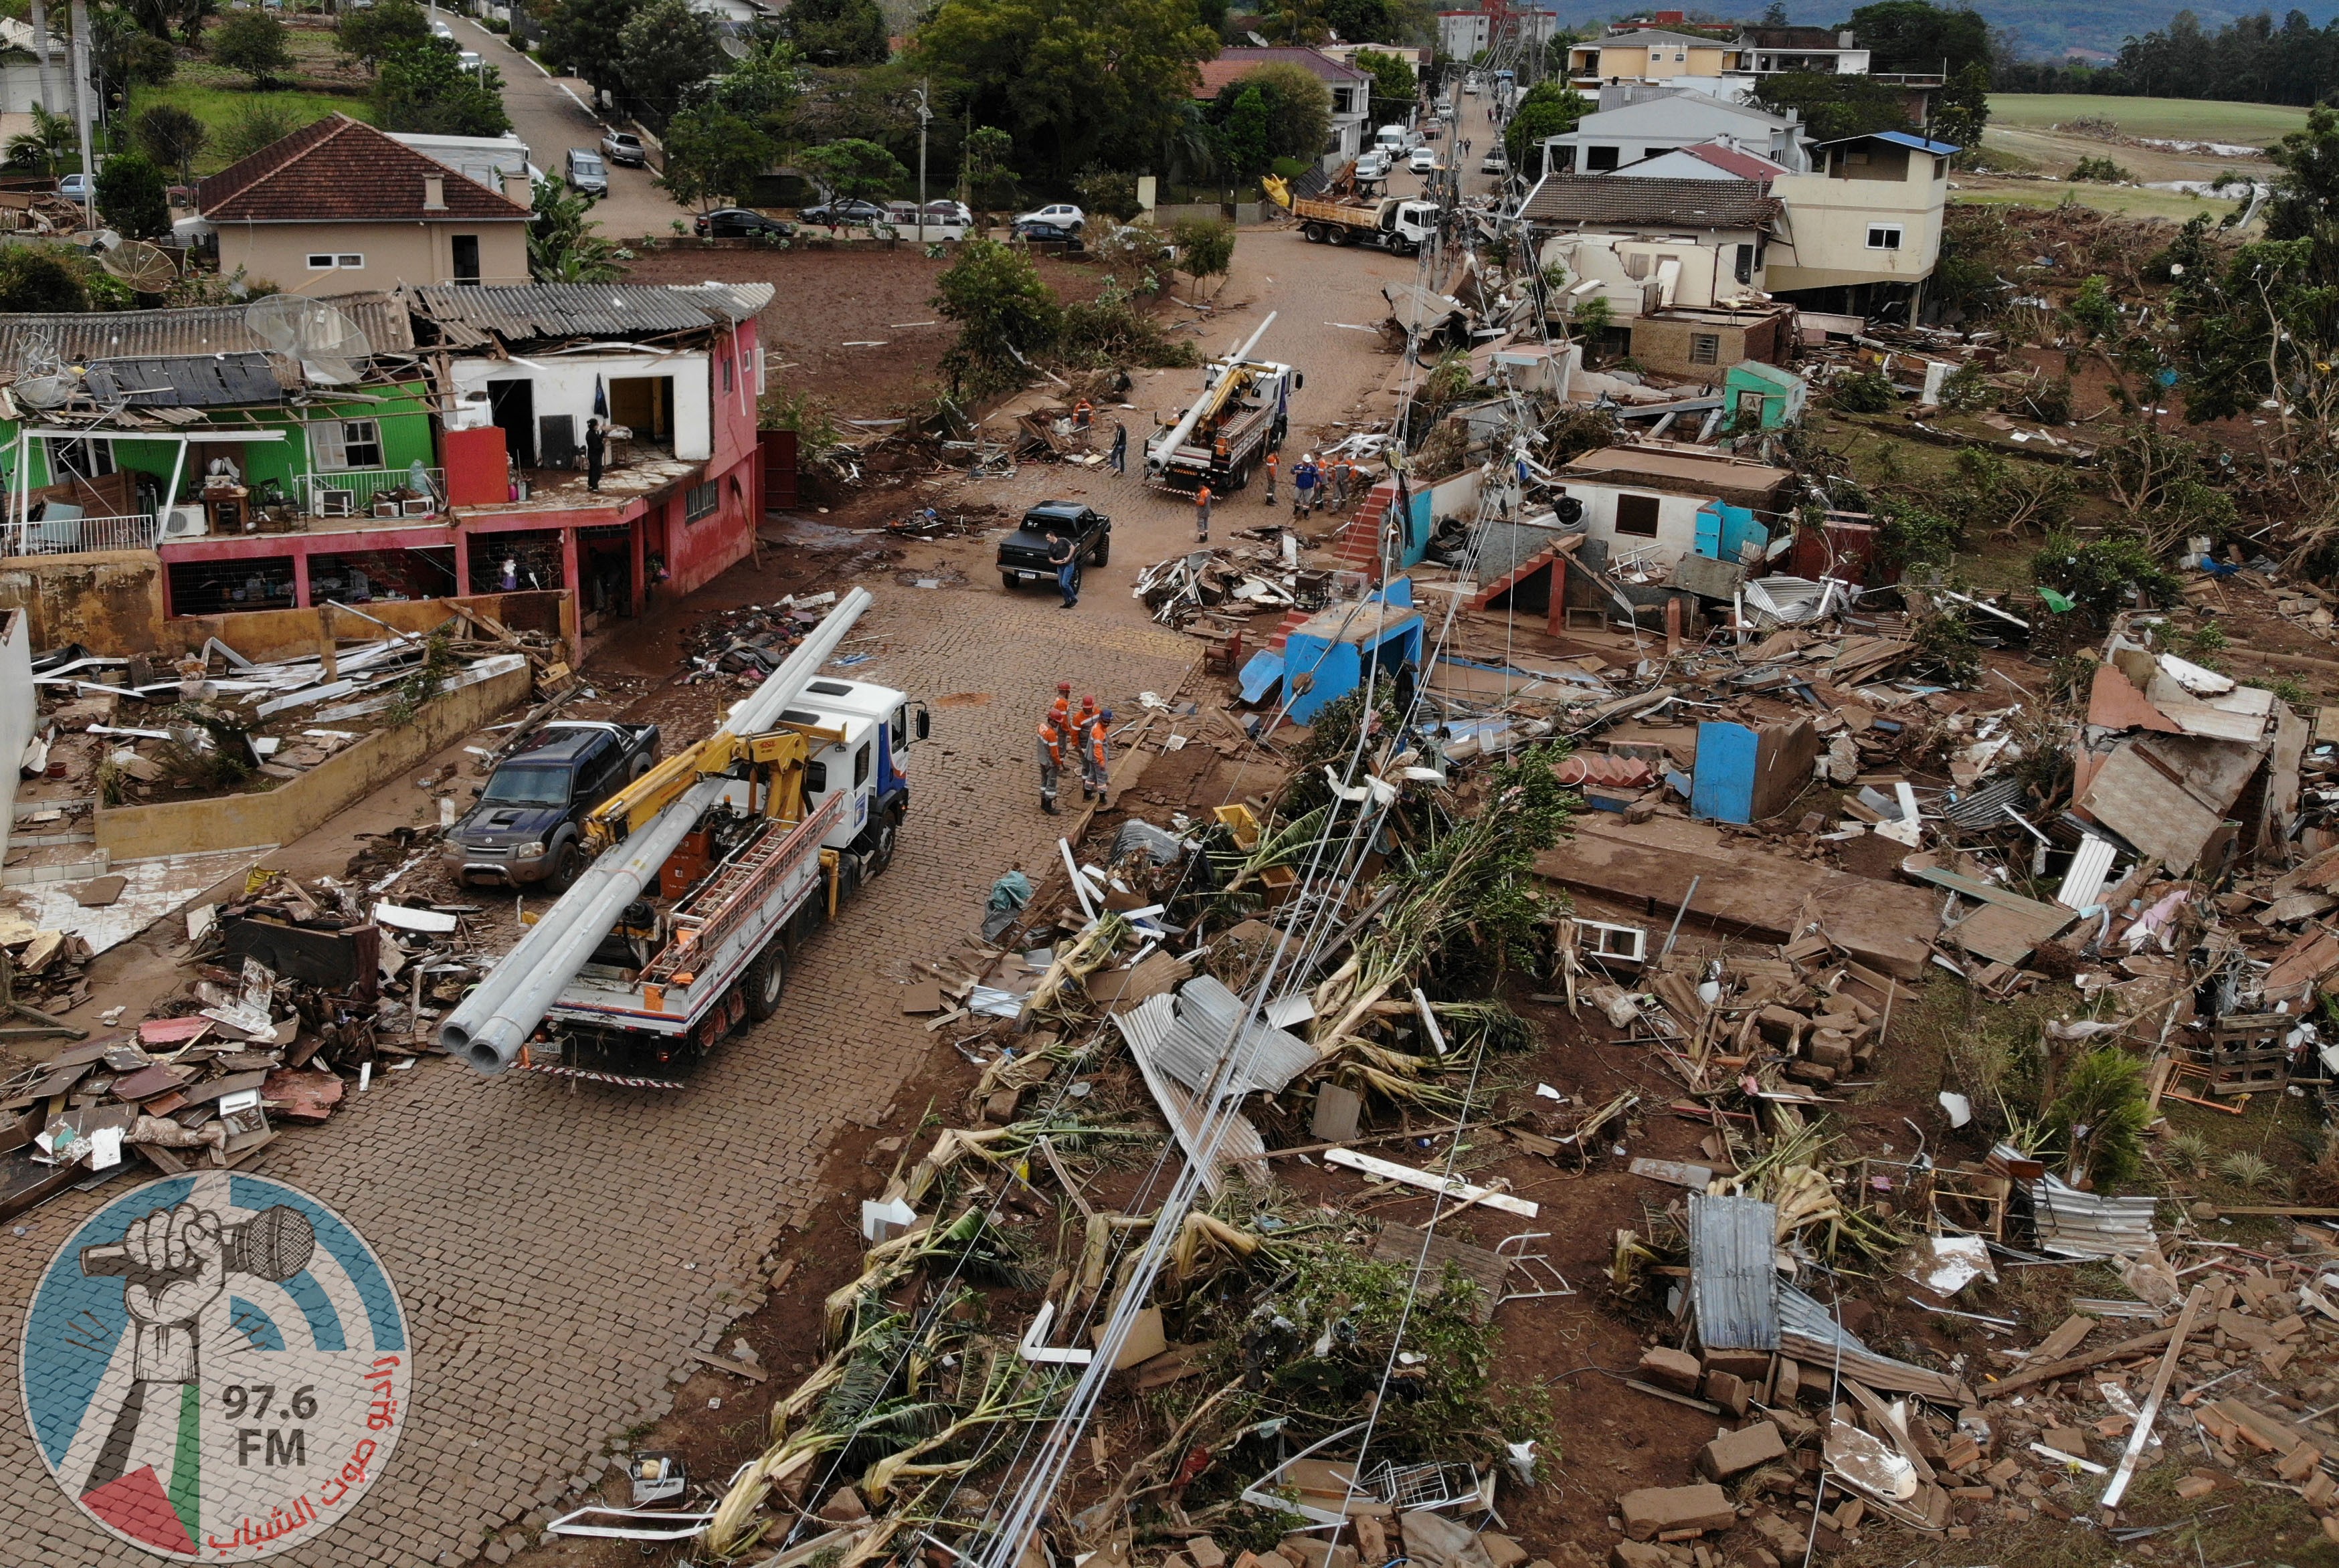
<point>2174,205</point>
<point>2188,119</point>
<point>222,106</point>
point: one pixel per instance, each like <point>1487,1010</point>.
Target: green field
<point>2133,201</point>
<point>2189,119</point>
<point>220,107</point>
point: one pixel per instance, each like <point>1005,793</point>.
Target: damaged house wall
<point>263,635</point>
<point>567,385</point>
<point>19,703</point>
<point>108,599</point>
<point>296,805</point>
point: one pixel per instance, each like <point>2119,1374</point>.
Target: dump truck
<point>711,870</point>
<point>1225,435</point>
<point>1400,223</point>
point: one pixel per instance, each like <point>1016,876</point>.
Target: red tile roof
<point>1736,161</point>
<point>342,171</point>
<point>1233,65</point>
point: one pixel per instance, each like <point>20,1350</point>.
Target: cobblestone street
<point>561,1251</point>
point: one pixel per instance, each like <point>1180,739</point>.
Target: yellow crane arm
<point>782,753</point>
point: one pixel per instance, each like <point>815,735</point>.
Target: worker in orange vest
<point>1270,480</point>
<point>1202,513</point>
<point>1080,415</point>
<point>1052,736</point>
<point>1096,773</point>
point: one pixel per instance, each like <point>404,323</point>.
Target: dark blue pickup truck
<point>1023,554</point>
<point>528,823</point>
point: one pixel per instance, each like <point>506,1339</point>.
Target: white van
<point>1397,140</point>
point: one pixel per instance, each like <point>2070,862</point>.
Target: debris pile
<point>750,642</point>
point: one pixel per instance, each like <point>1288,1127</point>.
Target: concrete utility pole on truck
<point>1225,437</point>
<point>712,867</point>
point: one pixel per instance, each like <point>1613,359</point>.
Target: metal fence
<point>55,535</point>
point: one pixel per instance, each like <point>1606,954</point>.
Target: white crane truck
<point>1223,439</point>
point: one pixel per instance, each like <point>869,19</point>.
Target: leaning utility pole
<point>925,114</point>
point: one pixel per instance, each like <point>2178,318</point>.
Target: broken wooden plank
<point>1452,1187</point>
<point>2142,1344</point>
<point>736,1369</point>
<point>2143,1432</point>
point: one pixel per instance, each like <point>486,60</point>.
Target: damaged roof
<point>80,337</point>
<point>467,316</point>
<point>191,380</point>
<point>1675,203</point>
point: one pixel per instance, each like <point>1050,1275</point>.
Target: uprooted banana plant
<point>1792,1174</point>
<point>1055,998</point>
<point>1467,888</point>
<point>1283,844</point>
<point>1008,1389</point>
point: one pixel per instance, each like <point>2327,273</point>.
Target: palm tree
<point>1295,21</point>
<point>47,145</point>
<point>1190,148</point>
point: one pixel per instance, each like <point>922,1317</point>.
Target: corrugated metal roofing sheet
<point>1809,1332</point>
<point>191,380</point>
<point>1732,1279</point>
<point>1144,1028</point>
<point>2075,1224</point>
<point>83,336</point>
<point>533,310</point>
<point>1986,807</point>
<point>1266,1058</point>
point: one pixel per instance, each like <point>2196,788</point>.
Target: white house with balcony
<point>1861,231</point>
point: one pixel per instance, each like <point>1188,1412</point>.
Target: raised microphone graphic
<point>274,1245</point>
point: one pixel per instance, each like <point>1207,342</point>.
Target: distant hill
<point>2047,29</point>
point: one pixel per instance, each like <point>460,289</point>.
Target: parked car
<point>468,59</point>
<point>624,148</point>
<point>441,30</point>
<point>1063,215</point>
<point>74,188</point>
<point>1424,161</point>
<point>1033,232</point>
<point>1494,162</point>
<point>740,223</point>
<point>944,220</point>
<point>1470,86</point>
<point>1023,554</point>
<point>849,212</point>
<point>586,172</point>
<point>528,823</point>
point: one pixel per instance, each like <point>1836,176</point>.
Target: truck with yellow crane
<point>812,810</point>
<point>1224,437</point>
<point>1403,224</point>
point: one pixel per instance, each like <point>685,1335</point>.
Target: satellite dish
<point>322,337</point>
<point>732,46</point>
<point>43,391</point>
<point>148,269</point>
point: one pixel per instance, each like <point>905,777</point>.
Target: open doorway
<point>605,560</point>
<point>643,405</point>
<point>512,405</point>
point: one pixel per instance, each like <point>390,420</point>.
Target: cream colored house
<point>1863,229</point>
<point>339,207</point>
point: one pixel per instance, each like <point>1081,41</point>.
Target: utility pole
<point>924,114</point>
<point>81,107</point>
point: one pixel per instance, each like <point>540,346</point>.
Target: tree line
<point>2251,59</point>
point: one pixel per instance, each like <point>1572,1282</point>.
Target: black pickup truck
<point>526,826</point>
<point>1023,554</point>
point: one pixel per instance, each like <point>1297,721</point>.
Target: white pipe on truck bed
<point>488,1027</point>
<point>1158,455</point>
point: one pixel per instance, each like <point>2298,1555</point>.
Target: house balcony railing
<point>62,535</point>
<point>375,493</point>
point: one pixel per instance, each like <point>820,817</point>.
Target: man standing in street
<point>1061,556</point>
<point>1052,760</point>
<point>1341,478</point>
<point>1120,459</point>
<point>1303,487</point>
<point>1202,513</point>
<point>1270,482</point>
